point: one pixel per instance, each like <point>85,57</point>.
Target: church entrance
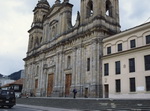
<point>36,86</point>
<point>68,84</point>
<point>50,84</point>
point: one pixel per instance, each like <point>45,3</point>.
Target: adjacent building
<point>5,80</point>
<point>126,63</point>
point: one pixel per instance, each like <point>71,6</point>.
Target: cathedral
<point>62,57</point>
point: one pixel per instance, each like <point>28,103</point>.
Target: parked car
<point>7,98</point>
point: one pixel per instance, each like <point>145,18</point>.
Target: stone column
<point>74,67</point>
<point>44,81</point>
<point>83,69</point>
<point>99,67</point>
<point>78,64</point>
<point>57,70</point>
<point>43,71</point>
<point>40,77</point>
<point>56,75</point>
<point>60,70</point>
<point>80,57</point>
<point>94,59</point>
<point>62,84</point>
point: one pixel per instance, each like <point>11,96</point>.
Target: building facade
<point>93,56</point>
<point>126,64</point>
<point>5,80</point>
<point>61,56</point>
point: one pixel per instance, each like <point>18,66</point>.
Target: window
<point>108,8</point>
<point>147,62</point>
<point>108,50</point>
<point>118,69</point>
<point>36,83</point>
<point>36,42</point>
<point>90,8</point>
<point>132,44</point>
<point>37,71</point>
<point>147,83</point>
<point>148,39</point>
<point>53,31</point>
<point>118,85</point>
<point>16,87</point>
<point>132,65</point>
<point>88,64</point>
<point>120,47</point>
<point>69,62</point>
<point>132,85</point>
<point>106,69</point>
<point>41,40</point>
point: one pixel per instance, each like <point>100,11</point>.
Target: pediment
<point>54,10</point>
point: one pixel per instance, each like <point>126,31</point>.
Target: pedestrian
<point>74,93</point>
<point>27,95</point>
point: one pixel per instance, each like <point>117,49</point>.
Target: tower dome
<point>43,4</point>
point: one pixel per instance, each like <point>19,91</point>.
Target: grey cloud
<point>140,9</point>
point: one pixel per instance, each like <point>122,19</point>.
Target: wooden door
<point>86,93</point>
<point>106,91</point>
<point>50,84</point>
<point>36,86</point>
<point>68,84</point>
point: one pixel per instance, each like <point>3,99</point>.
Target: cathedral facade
<point>61,56</point>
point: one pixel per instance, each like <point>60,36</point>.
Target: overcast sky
<point>16,17</point>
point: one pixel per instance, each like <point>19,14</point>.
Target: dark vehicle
<point>7,98</point>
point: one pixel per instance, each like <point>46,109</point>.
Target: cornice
<point>145,47</point>
<point>35,27</point>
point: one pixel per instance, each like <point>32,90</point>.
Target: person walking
<point>74,93</point>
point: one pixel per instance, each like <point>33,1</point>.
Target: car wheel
<point>1,106</point>
<point>10,106</point>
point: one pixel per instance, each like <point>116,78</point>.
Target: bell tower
<point>36,31</point>
<point>105,11</point>
<point>40,12</point>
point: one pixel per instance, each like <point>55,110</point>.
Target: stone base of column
<point>58,91</point>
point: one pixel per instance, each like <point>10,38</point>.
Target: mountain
<point>15,75</point>
<point>1,75</point>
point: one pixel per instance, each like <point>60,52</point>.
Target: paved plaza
<point>87,104</point>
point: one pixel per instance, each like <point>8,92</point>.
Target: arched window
<point>108,8</point>
<point>53,28</point>
<point>37,71</point>
<point>90,8</point>
<point>53,31</point>
<point>41,40</point>
<point>37,41</point>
